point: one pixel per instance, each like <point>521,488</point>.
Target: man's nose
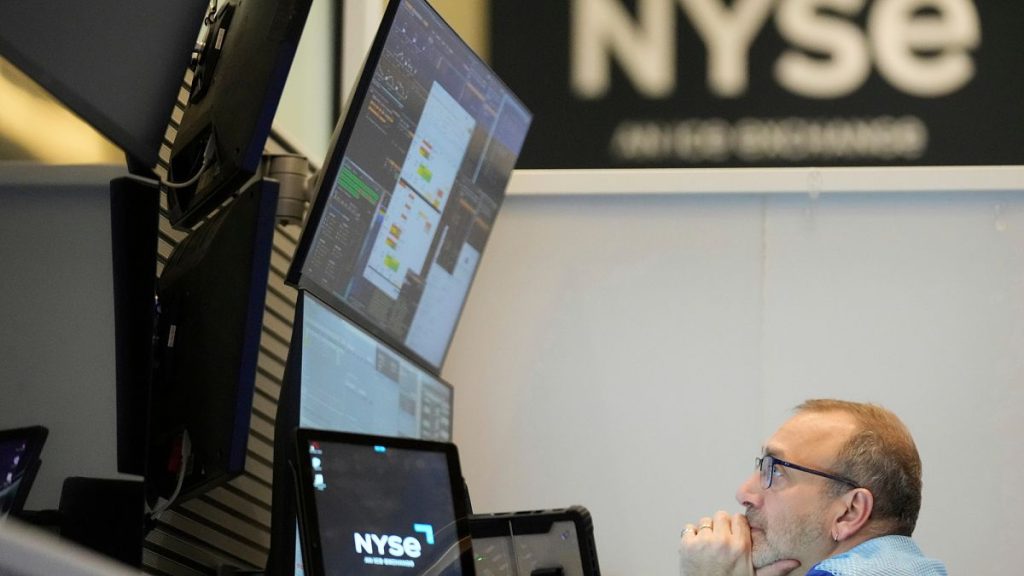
<point>750,494</point>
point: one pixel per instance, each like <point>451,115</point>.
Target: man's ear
<point>858,504</point>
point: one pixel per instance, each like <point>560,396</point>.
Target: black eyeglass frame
<point>760,463</point>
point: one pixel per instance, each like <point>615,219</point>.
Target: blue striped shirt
<point>883,556</point>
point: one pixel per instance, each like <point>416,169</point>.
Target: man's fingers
<point>780,568</point>
<point>688,530</point>
<point>722,524</point>
<point>720,547</point>
<point>740,527</point>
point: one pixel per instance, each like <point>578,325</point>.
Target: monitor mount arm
<point>295,177</point>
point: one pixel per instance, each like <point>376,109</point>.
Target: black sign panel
<point>726,83</point>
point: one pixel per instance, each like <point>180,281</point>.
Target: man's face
<point>793,518</point>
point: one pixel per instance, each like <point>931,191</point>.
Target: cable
<point>208,153</point>
<point>162,505</point>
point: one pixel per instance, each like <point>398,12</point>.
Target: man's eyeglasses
<point>766,465</point>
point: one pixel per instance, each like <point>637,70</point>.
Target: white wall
<point>630,352</point>
<point>306,111</point>
<point>57,319</point>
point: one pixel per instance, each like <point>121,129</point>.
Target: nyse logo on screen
<point>921,47</point>
<point>390,549</point>
<point>667,83</point>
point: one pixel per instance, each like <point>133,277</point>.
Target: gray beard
<point>776,543</point>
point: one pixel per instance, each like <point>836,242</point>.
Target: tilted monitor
<point>412,185</point>
<point>211,296</point>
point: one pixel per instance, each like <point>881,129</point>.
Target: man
<point>836,492</point>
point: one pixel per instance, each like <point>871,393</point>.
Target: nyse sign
<point>924,54</point>
<point>765,82</point>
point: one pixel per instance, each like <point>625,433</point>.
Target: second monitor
<point>349,381</point>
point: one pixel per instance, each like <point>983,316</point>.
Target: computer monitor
<point>535,542</point>
<point>354,383</point>
<point>118,65</point>
<point>19,462</point>
<point>237,85</point>
<point>210,296</point>
<point>381,505</point>
<point>412,185</point>
<point>134,229</point>
<point>339,377</point>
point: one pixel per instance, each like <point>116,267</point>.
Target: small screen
<point>383,509</point>
<point>19,461</point>
<point>13,465</point>
<point>517,554</point>
<point>536,542</point>
<point>413,184</point>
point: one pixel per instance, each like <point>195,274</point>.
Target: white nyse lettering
<point>804,25</point>
<point>923,46</point>
<point>646,49</point>
<point>363,545</point>
<point>395,546</point>
<point>727,34</point>
<point>412,547</point>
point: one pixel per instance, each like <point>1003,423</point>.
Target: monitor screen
<point>409,193</point>
<point>557,541</point>
<point>378,505</point>
<point>19,461</point>
<point>353,383</point>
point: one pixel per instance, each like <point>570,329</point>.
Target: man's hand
<point>722,547</point>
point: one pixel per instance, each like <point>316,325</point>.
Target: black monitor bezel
<point>135,228</point>
<point>336,153</point>
<point>307,512</point>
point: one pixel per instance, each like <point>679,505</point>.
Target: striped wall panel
<point>230,525</point>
